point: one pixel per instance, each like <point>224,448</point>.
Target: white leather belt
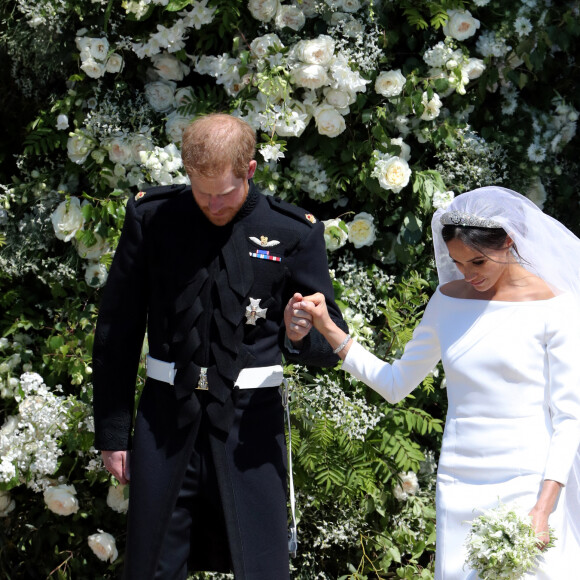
<point>251,378</point>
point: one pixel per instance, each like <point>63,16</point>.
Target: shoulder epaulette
<point>159,192</point>
<point>291,210</point>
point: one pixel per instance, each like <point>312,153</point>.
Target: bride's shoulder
<point>455,289</point>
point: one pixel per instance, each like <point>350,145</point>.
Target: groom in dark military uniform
<point>209,271</point>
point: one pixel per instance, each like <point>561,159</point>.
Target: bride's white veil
<point>546,247</point>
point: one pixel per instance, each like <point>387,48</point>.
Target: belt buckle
<point>202,384</point>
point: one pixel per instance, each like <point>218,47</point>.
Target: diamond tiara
<point>460,218</point>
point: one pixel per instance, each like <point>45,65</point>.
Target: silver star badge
<point>253,311</point>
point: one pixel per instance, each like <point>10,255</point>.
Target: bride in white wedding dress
<point>505,322</point>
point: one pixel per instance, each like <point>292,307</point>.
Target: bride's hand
<point>315,305</point>
<point>540,525</point>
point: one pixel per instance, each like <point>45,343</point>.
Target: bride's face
<point>483,271</point>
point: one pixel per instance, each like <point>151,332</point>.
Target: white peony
<point>474,68</point>
<point>432,106</point>
<point>78,147</point>
<point>263,10</point>
<point>98,48</point>
<point>392,172</point>
<point>461,24</point>
<point>408,485</point>
<point>140,142</point>
<point>67,219</point>
<point>103,545</point>
<point>261,45</point>
<point>334,235</point>
<point>390,83</point>
<point>7,504</point>
<point>61,500</point>
<point>93,68</point>
<point>361,230</point>
<point>168,67</point>
<point>315,51</point>
<point>160,95</point>
<point>114,63</point>
<point>329,121</point>
<point>116,499</point>
<point>340,99</point>
<point>290,17</point>
<point>310,76</point>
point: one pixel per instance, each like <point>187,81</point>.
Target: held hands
<point>298,322</point>
<point>117,464</point>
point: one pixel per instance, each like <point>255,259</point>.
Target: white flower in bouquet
<point>103,545</point>
<point>263,10</point>
<point>78,147</point>
<point>116,499</point>
<point>315,51</point>
<point>461,24</point>
<point>474,68</point>
<point>407,485</point>
<point>339,99</point>
<point>392,171</point>
<point>271,152</point>
<point>93,68</point>
<point>140,142</point>
<point>335,234</point>
<point>7,504</point>
<point>290,17</point>
<point>119,149</point>
<point>94,251</point>
<point>67,219</point>
<point>390,83</point>
<point>160,95</point>
<point>329,121</point>
<point>175,126</point>
<point>169,67</point>
<point>199,15</point>
<point>361,230</point>
<point>432,106</point>
<point>502,543</point>
<point>61,499</point>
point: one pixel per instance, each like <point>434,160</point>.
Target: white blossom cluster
<point>311,176</point>
<point>502,543</point>
<point>29,440</point>
<point>350,413</point>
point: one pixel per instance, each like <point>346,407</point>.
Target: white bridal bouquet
<point>502,544</point>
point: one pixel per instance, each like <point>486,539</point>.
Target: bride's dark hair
<point>480,239</point>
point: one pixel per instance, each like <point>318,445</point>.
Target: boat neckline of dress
<point>500,301</point>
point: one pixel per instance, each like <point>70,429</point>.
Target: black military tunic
<point>209,297</point>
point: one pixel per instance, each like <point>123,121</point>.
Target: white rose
<point>392,172</point>
<point>263,10</point>
<point>261,45</point>
<point>390,83</point>
<point>93,252</point>
<point>353,28</point>
<point>103,545</point>
<point>94,69</point>
<point>350,5</point>
<point>474,68</point>
<point>114,63</point>
<point>316,51</point>
<point>62,122</point>
<point>175,126</point>
<point>7,504</point>
<point>361,230</point>
<point>98,47</point>
<point>408,485</point>
<point>340,99</point>
<point>329,121</point>
<point>169,67</point>
<point>160,95</point>
<point>441,199</point>
<point>78,147</point>
<point>293,122</point>
<point>290,17</point>
<point>138,143</point>
<point>95,274</point>
<point>334,235</point>
<point>461,24</point>
<point>432,107</point>
<point>116,499</point>
<point>61,500</point>
<point>67,219</point>
<point>119,150</point>
<point>83,43</point>
<point>310,76</point>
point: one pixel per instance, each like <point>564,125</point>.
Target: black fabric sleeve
<point>119,338</point>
